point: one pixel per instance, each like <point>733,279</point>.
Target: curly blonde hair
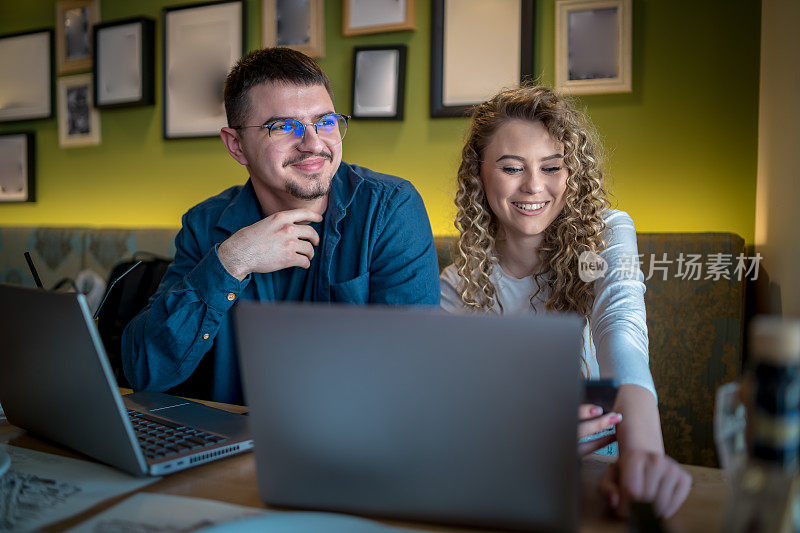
<point>576,229</point>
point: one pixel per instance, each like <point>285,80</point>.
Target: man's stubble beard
<point>318,190</point>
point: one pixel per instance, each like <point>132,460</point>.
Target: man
<point>305,227</point>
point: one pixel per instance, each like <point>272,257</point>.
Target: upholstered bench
<point>695,326</point>
<point>60,253</point>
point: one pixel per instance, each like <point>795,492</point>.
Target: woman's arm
<point>619,330</point>
<point>641,427</point>
<point>643,472</point>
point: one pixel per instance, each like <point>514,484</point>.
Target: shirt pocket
<point>354,291</point>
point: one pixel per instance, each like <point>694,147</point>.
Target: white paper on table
<point>153,513</point>
<point>41,488</point>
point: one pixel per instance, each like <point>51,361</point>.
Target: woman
<point>530,201</point>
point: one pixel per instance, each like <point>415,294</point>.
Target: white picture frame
<point>78,120</point>
<point>295,24</point>
<point>202,42</point>
<point>74,22</point>
<point>593,46</point>
<point>26,84</point>
<point>360,17</point>
<point>17,167</point>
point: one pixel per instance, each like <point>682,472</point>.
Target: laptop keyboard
<point>161,438</point>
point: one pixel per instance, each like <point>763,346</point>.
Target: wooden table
<point>233,480</point>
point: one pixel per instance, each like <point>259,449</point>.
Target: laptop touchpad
<point>187,412</point>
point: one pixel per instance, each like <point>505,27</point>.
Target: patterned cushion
<point>695,326</point>
<point>106,247</point>
<point>56,253</point>
<point>444,251</point>
<point>60,253</point>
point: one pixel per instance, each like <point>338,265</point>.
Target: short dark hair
<point>267,65</point>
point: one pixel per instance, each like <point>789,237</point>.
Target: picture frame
<point>360,17</point>
<point>27,84</point>
<point>18,167</point>
<point>201,44</point>
<point>594,46</point>
<point>124,63</point>
<point>466,70</point>
<point>379,79</point>
<point>74,22</point>
<point>78,120</point>
<point>296,24</point>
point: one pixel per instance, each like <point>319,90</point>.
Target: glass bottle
<point>765,492</point>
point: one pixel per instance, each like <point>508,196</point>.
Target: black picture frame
<point>170,129</point>
<point>145,59</point>
<point>30,177</point>
<point>11,82</point>
<point>438,109</point>
<point>399,83</point>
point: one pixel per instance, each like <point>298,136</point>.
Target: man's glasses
<point>288,133</point>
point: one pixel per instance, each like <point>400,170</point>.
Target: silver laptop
<point>56,382</point>
<point>414,415</point>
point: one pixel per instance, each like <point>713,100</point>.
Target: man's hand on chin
<point>279,241</point>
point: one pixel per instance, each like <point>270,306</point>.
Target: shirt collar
<point>242,211</point>
<point>344,184</point>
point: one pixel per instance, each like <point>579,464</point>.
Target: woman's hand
<point>641,475</point>
<point>590,422</point>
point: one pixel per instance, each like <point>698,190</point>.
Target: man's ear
<point>230,138</point>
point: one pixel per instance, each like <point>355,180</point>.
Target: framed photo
<point>467,67</point>
<point>17,167</point>
<point>379,79</point>
<point>124,63</point>
<point>378,16</point>
<point>74,22</point>
<point>26,85</point>
<point>78,120</point>
<point>201,44</point>
<point>297,24</point>
<point>593,46</point>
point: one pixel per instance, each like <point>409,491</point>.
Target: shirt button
<point>231,297</point>
<point>206,336</point>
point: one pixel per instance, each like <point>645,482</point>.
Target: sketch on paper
<point>23,497</point>
<point>41,488</point>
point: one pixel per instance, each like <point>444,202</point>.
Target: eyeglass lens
<point>289,133</point>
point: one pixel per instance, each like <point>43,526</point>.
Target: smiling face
<point>524,179</point>
<point>289,178</point>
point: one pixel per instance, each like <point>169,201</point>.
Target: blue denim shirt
<point>377,249</point>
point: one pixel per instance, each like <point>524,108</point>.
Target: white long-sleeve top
<point>615,337</point>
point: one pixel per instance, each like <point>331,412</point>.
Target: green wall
<point>682,146</point>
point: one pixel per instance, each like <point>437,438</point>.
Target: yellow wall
<point>682,146</point>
